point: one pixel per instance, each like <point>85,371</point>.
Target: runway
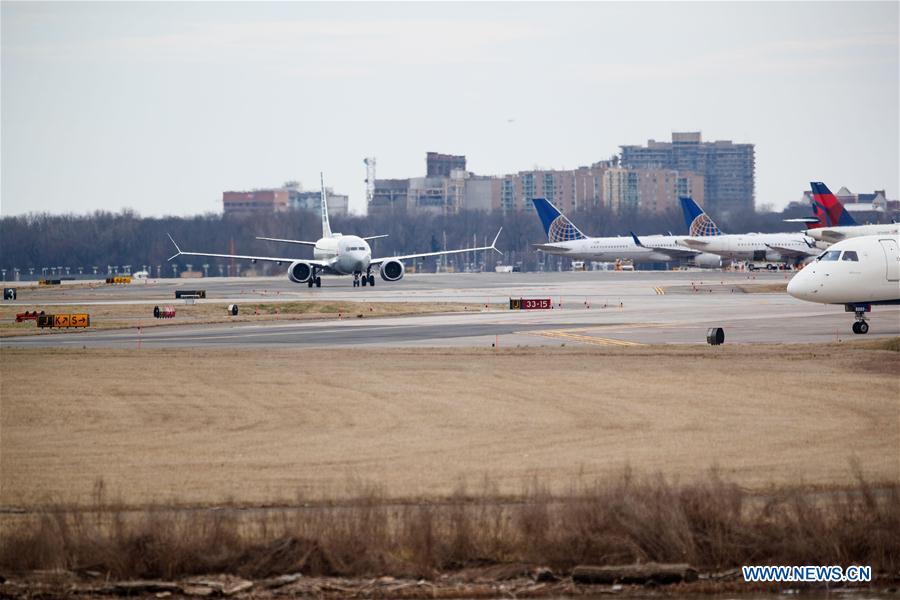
<point>592,308</point>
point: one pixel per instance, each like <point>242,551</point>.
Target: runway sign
<point>119,279</point>
<point>530,304</point>
<point>64,321</point>
<point>190,293</point>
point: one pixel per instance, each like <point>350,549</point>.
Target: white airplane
<point>781,247</point>
<point>833,221</point>
<point>857,272</point>
<point>337,254</point>
<point>564,239</point>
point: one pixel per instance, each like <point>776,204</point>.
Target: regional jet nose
<point>803,285</point>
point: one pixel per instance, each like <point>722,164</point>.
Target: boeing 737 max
<point>337,254</point>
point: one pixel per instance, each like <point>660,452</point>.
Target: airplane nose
<point>800,286</point>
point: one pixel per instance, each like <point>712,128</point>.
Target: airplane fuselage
<point>344,254</point>
<point>836,234</point>
<point>862,270</point>
<point>750,246</point>
<point>610,249</point>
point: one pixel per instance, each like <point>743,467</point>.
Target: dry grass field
<point>122,316</point>
<point>254,427</point>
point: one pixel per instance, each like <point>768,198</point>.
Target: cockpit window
<point>830,255</point>
<point>850,255</point>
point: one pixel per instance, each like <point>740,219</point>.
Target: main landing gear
<point>314,280</point>
<point>860,326</point>
<point>363,280</point>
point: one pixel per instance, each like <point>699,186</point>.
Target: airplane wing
<point>493,246</point>
<point>375,237</point>
<point>793,252</point>
<point>275,259</point>
<point>693,242</point>
<point>673,252</point>
<point>550,248</point>
<point>268,239</point>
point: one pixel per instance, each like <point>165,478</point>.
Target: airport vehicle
<point>337,254</point>
<point>833,221</point>
<point>564,239</point>
<point>776,247</point>
<point>857,272</point>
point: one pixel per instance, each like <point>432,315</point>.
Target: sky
<point>160,107</point>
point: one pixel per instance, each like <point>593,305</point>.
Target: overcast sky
<point>159,107</point>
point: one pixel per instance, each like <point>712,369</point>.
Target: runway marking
<point>576,337</point>
<point>659,291</point>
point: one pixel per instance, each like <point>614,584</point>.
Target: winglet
<point>494,243</point>
<point>637,242</point>
<point>177,254</point>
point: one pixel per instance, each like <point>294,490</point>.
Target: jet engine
<point>392,270</point>
<point>708,260</point>
<point>299,272</point>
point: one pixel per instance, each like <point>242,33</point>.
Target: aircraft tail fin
<point>698,222</point>
<point>827,208</point>
<point>326,225</point>
<point>557,227</point>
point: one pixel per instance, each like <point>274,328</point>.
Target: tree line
<point>105,239</point>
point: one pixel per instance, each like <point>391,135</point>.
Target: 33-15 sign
<point>530,303</point>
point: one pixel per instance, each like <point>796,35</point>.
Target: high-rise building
<point>442,165</point>
<point>650,191</point>
<point>256,201</point>
<point>569,190</point>
<point>727,168</point>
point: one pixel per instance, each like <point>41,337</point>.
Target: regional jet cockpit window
<point>850,255</point>
<point>830,255</point>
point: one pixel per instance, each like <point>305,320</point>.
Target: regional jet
<point>706,236</point>
<point>564,239</point>
<point>337,254</point>
<point>857,272</point>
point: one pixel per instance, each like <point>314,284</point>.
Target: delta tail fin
<point>557,227</point>
<point>326,225</point>
<point>827,208</point>
<point>698,222</point>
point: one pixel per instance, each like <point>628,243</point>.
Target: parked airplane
<point>706,237</point>
<point>857,272</point>
<point>337,254</point>
<point>835,223</point>
<point>567,240</point>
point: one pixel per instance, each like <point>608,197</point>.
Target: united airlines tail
<point>326,225</point>
<point>827,208</point>
<point>698,222</point>
<point>557,227</point>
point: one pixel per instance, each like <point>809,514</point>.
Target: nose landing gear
<point>363,279</point>
<point>860,326</point>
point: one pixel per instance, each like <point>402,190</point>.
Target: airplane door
<point>892,257</point>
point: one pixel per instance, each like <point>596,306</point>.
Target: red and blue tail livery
<point>827,208</point>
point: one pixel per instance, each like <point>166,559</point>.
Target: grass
<point>201,426</point>
<point>711,523</point>
<point>121,316</point>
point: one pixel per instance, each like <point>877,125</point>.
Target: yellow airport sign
<point>64,321</point>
